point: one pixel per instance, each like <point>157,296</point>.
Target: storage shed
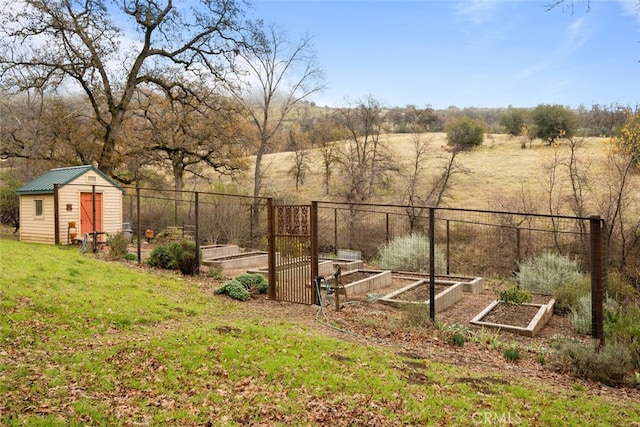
<point>68,202</point>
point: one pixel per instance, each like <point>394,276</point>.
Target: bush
<point>609,365</point>
<point>215,273</point>
<point>160,257</point>
<point>118,245</point>
<point>410,253</point>
<point>465,133</point>
<point>621,290</point>
<point>622,326</point>
<point>551,122</point>
<point>175,256</point>
<point>416,315</point>
<point>253,281</point>
<point>547,272</point>
<point>234,289</point>
<point>515,296</point>
<point>567,294</point>
<point>581,315</point>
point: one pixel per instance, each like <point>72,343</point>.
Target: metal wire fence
<point>471,242</point>
<point>217,218</point>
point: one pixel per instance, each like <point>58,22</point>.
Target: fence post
<point>597,310</point>
<point>93,211</point>
<point>448,247</point>
<point>197,208</point>
<point>387,227</point>
<point>56,215</point>
<point>517,245</point>
<point>313,243</point>
<point>138,229</point>
<point>271,231</point>
<point>335,230</point>
<point>432,265</point>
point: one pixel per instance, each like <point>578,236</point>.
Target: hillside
<point>497,171</point>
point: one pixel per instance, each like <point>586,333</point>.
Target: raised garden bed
<point>364,281</point>
<point>217,251</point>
<point>251,259</point>
<point>524,319</point>
<point>344,263</point>
<point>325,268</point>
<point>418,292</point>
<point>469,284</point>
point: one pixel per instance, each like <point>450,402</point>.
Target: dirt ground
<point>376,324</point>
<point>370,322</point>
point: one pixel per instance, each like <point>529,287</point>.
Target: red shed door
<point>86,212</point>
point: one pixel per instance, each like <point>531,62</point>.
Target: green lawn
<point>86,341</point>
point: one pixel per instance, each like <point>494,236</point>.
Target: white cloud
<point>476,11</point>
<point>578,33</point>
<point>630,8</point>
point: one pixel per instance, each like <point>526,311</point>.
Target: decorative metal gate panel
<point>292,253</point>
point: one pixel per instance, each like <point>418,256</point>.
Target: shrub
<point>546,272</point>
<point>622,326</point>
<point>621,290</point>
<point>465,133</point>
<point>551,122</point>
<point>609,365</point>
<point>160,257</point>
<point>567,294</point>
<point>581,315</point>
<point>118,245</point>
<point>515,296</point>
<point>234,289</point>
<point>175,256</point>
<point>416,315</point>
<point>253,281</point>
<point>215,273</point>
<point>410,253</point>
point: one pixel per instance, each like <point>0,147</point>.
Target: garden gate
<point>293,252</point>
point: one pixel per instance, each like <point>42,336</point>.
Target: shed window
<point>38,208</point>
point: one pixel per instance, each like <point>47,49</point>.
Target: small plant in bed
<point>515,296</point>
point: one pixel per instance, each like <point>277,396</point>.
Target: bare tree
<point>70,45</point>
<point>186,132</point>
<point>365,161</point>
<point>278,74</point>
<point>300,168</point>
<point>421,193</point>
<point>53,130</point>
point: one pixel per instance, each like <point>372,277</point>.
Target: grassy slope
<point>84,341</point>
<point>497,169</point>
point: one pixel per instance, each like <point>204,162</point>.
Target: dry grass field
<point>497,174</point>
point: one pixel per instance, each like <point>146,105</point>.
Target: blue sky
<point>483,53</point>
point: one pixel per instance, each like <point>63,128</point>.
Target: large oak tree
<point>107,50</point>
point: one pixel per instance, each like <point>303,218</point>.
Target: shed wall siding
<point>32,229</point>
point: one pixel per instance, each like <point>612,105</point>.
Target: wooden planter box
<point>375,279</point>
<point>469,284</point>
<point>247,260</point>
<point>217,251</point>
<point>539,320</point>
<point>444,299</point>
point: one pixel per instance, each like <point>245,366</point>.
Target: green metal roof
<point>61,176</point>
